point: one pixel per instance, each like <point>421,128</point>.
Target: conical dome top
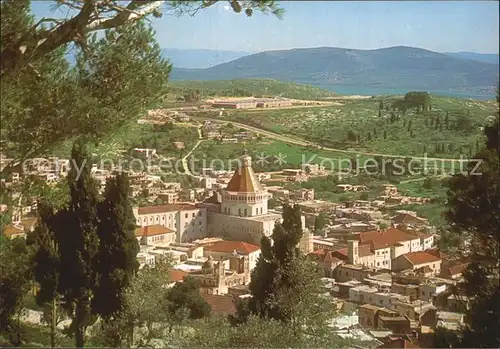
<point>244,179</point>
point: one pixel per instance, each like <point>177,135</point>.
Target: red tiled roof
<point>231,246</point>
<point>340,254</point>
<point>384,238</point>
<point>329,258</point>
<point>220,304</point>
<point>406,218</point>
<point>421,257</point>
<point>176,275</point>
<point>152,230</point>
<point>165,208</point>
<point>457,269</point>
<point>244,179</point>
<point>436,252</point>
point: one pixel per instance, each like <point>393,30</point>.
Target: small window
<point>194,215</point>
<point>186,215</point>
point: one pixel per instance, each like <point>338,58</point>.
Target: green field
<point>250,87</point>
<point>413,134</point>
<point>292,155</point>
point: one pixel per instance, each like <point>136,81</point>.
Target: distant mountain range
<point>181,58</point>
<point>480,57</point>
<point>398,67</point>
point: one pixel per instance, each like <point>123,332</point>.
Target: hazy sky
<point>445,26</point>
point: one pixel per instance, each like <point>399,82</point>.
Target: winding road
<point>185,164</point>
<point>297,141</point>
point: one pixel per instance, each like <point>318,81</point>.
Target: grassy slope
<point>293,155</point>
<point>330,125</point>
<point>252,87</point>
<point>141,135</point>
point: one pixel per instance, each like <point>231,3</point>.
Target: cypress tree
<point>285,285</point>
<point>380,113</point>
<point>46,265</point>
<point>116,261</point>
<point>75,230</point>
<point>385,134</point>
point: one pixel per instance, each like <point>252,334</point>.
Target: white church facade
<point>242,214</point>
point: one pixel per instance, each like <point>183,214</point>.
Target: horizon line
<point>338,47</point>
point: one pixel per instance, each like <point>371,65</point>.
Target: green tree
<point>75,229</point>
<point>351,136</point>
<point>385,134</point>
<point>320,221</point>
<point>116,261</point>
<point>15,281</point>
<point>217,332</point>
<point>46,266</point>
<point>473,210</point>
<point>186,295</point>
<point>285,285</point>
<point>117,77</point>
<point>145,305</point>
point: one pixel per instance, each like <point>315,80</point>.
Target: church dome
<point>244,179</point>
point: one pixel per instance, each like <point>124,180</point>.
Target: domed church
<point>243,214</point>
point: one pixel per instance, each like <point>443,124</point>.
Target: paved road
<point>297,141</point>
<point>185,164</point>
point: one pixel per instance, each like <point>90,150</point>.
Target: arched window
<point>245,212</point>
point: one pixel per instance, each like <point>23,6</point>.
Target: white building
<point>242,214</point>
<point>188,221</point>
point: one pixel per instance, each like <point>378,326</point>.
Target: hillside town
<point>294,175</point>
<point>384,273</point>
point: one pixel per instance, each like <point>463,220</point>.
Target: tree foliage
<point>186,295</point>
<point>118,77</point>
<point>75,229</point>
<point>285,286</point>
<point>46,265</point>
<point>116,261</point>
<point>473,210</point>
<point>15,277</point>
<point>257,332</point>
